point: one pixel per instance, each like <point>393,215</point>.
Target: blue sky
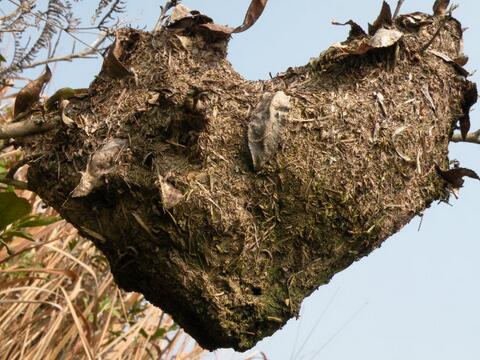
<point>421,287</point>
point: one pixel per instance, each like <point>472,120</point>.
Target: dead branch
<point>397,9</point>
<point>31,126</point>
<point>15,183</point>
<point>86,53</point>
<point>473,137</point>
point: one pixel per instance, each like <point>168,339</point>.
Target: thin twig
<point>21,185</point>
<point>440,27</point>
<point>84,54</point>
<point>397,9</point>
<point>32,126</point>
<point>163,13</point>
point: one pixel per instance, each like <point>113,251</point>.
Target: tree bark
<point>225,201</point>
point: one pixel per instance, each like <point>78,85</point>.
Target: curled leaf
<point>179,12</point>
<point>461,60</point>
<point>253,13</point>
<point>440,7</point>
<point>470,98</point>
<point>102,162</point>
<point>170,195</point>
<point>192,21</point>
<point>385,38</point>
<point>450,61</point>
<point>384,18</point>
<point>264,130</point>
<point>455,176</point>
<point>66,120</point>
<point>112,65</point>
<point>356,30</point>
<point>30,94</point>
<point>64,94</point>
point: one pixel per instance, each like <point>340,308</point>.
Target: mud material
<point>225,201</point>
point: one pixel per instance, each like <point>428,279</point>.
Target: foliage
<point>37,26</point>
<point>58,298</point>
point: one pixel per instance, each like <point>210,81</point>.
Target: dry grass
<point>58,301</point>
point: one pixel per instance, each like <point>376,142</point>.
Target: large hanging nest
<point>226,201</point>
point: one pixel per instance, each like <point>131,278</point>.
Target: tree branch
<point>83,54</point>
<point>15,183</point>
<point>397,9</point>
<point>34,125</point>
<point>473,137</point>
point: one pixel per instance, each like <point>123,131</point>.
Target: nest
<point>226,202</point>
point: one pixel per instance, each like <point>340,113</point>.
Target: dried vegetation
<point>226,202</point>
<point>58,300</point>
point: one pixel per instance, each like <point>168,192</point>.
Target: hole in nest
<point>256,291</point>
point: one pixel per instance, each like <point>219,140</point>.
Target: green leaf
<point>12,208</point>
<point>2,59</point>
<point>160,333</point>
<point>143,333</point>
<point>37,220</point>
<point>22,234</point>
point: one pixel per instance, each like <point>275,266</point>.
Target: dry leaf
<point>112,66</point>
<point>170,195</point>
<point>264,130</point>
<point>440,7</point>
<point>461,60</point>
<point>470,98</point>
<point>385,38</point>
<point>455,176</point>
<point>426,93</point>
<point>30,94</point>
<point>384,18</point>
<point>179,12</point>
<point>102,162</point>
<point>448,60</point>
<point>465,125</point>
<point>66,120</point>
<point>356,30</point>
<point>253,13</point>
<point>193,21</point>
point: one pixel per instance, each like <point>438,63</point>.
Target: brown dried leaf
<point>465,125</point>
<point>30,94</point>
<point>461,60</point>
<point>65,118</point>
<point>448,60</point>
<point>440,7</point>
<point>426,93</point>
<point>184,19</point>
<point>253,13</point>
<point>384,18</point>
<point>414,21</point>
<point>102,162</point>
<point>112,66</point>
<point>194,21</point>
<point>470,98</point>
<point>179,12</point>
<point>264,130</point>
<point>385,38</point>
<point>170,195</point>
<point>216,31</point>
<point>356,30</point>
<point>455,176</point>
